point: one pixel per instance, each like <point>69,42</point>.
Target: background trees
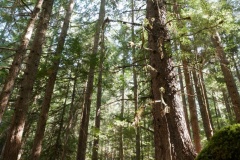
<point>135,52</point>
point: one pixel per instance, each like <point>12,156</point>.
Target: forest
<point>118,79</point>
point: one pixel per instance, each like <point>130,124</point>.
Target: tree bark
<point>184,99</point>
<point>72,114</point>
<point>36,149</point>
<point>192,106</point>
<point>235,66</point>
<point>135,90</point>
<point>13,142</point>
<point>228,77</point>
<point>83,132</point>
<point>57,145</point>
<point>203,108</point>
<point>170,128</point>
<point>216,111</point>
<point>205,96</point>
<point>17,61</point>
<point>228,108</point>
<point>121,152</point>
<point>99,99</point>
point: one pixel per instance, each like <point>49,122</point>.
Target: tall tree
<point>228,77</point>
<point>99,98</point>
<point>172,126</point>
<point>121,152</point>
<point>57,145</point>
<point>183,99</point>
<point>13,142</point>
<point>36,149</point>
<point>135,84</point>
<point>18,58</point>
<point>227,104</point>
<point>192,105</point>
<point>203,108</point>
<point>204,94</point>
<point>70,123</point>
<point>83,132</point>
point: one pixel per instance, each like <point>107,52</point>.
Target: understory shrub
<point>224,145</point>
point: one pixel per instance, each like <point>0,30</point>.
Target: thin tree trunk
<point>70,122</point>
<point>192,107</point>
<point>228,77</point>
<point>83,132</point>
<point>184,99</point>
<point>172,126</point>
<point>36,149</point>
<point>236,67</point>
<point>205,97</point>
<point>121,153</point>
<point>191,101</point>
<point>216,111</point>
<point>135,90</point>
<point>203,108</point>
<point>17,61</point>
<point>228,108</point>
<point>99,99</point>
<point>13,142</point>
<point>58,148</point>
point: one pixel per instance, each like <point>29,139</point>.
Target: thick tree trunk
<point>13,142</point>
<point>203,108</point>
<point>192,106</point>
<point>83,132</point>
<point>170,128</point>
<point>36,149</point>
<point>228,77</point>
<point>18,58</point>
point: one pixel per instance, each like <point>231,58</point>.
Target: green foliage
<point>224,145</point>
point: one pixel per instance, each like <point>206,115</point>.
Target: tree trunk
<point>184,99</point>
<point>192,107</point>
<point>99,99</point>
<point>228,77</point>
<point>57,149</point>
<point>17,61</point>
<point>121,153</point>
<point>216,111</point>
<point>205,97</point>
<point>203,108</point>
<point>235,66</point>
<point>36,150</point>
<point>70,123</point>
<point>135,90</point>
<point>228,108</point>
<point>172,127</point>
<point>13,142</point>
<point>83,132</point>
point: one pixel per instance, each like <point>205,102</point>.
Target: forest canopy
<point>117,79</point>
